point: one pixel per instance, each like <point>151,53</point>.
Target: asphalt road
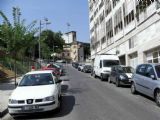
<point>87,98</point>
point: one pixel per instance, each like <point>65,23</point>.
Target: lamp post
<point>40,28</point>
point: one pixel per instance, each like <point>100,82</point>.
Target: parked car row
<point>144,79</point>
<point>87,68</point>
<point>37,91</point>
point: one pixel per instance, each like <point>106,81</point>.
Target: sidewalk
<point>6,89</point>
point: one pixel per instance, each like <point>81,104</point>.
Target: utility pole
<point>40,29</point>
<point>40,40</point>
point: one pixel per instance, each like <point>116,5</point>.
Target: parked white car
<point>38,91</point>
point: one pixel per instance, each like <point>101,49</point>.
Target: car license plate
<point>30,107</point>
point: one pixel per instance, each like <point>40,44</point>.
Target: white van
<point>103,64</point>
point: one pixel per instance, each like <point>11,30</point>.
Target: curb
<point>3,113</point>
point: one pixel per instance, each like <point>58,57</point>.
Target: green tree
<point>17,37</point>
<point>53,40</point>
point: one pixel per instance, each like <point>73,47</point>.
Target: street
<point>87,98</point>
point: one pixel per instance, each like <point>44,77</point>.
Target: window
<point>153,57</point>
<point>101,4</point>
<point>141,6</point>
<point>109,63</point>
<point>115,2</point>
<point>149,71</point>
<point>37,79</point>
<point>129,18</point>
<point>158,70</point>
<point>100,64</point>
<point>118,21</point>
<point>132,43</point>
<point>109,31</point>
<point>101,17</point>
<point>141,70</point>
<point>108,7</point>
<point>103,40</point>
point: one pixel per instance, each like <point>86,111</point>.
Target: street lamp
<point>40,27</point>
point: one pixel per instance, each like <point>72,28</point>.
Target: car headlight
<point>12,101</point>
<point>122,77</point>
<point>50,98</point>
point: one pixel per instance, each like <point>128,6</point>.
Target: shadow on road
<point>75,90</point>
<point>64,88</point>
<point>67,104</point>
<point>7,86</point>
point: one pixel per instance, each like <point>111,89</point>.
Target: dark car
<point>87,69</point>
<point>121,75</point>
<point>75,65</point>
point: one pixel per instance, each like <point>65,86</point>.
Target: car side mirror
<point>153,77</point>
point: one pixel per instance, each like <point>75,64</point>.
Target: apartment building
<point>128,28</point>
<point>73,52</point>
<point>69,37</point>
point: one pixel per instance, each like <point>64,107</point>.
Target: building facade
<point>128,28</point>
<point>73,52</point>
<point>69,37</point>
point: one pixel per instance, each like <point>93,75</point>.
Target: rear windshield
<point>109,63</point>
<point>128,69</point>
<point>88,66</point>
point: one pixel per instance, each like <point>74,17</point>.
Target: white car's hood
<point>129,75</point>
<point>33,92</point>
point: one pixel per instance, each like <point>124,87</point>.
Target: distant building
<point>75,52</point>
<point>69,37</point>
<point>128,28</point>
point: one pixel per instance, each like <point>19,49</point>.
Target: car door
<point>140,79</point>
<point>99,71</point>
<point>149,82</point>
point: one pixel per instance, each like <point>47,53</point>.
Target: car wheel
<point>133,88</point>
<point>102,78</point>
<point>94,75</point>
<point>59,105</point>
<point>117,83</point>
<point>157,97</point>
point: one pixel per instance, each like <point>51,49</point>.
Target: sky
<point>58,12</point>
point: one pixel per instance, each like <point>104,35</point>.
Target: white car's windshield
<point>109,63</point>
<point>37,79</point>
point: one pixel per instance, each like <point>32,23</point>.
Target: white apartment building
<point>69,37</point>
<point>128,28</point>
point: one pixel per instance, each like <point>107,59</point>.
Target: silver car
<point>146,80</point>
